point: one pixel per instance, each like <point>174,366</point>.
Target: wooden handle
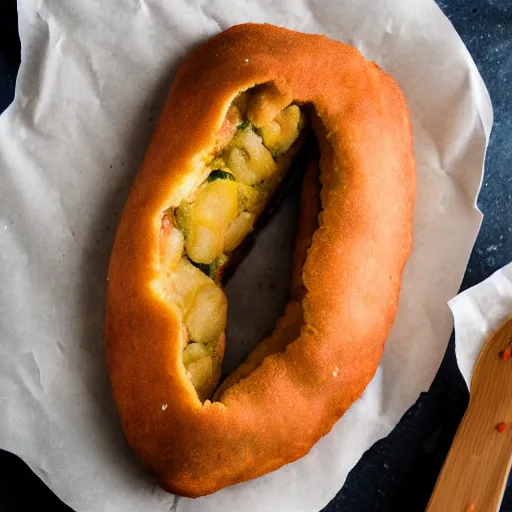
<point>474,474</point>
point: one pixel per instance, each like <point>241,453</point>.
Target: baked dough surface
<point>352,274</point>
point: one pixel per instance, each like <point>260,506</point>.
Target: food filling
<point>259,138</point>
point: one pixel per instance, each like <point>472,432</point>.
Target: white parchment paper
<point>93,77</point>
<point>477,313</point>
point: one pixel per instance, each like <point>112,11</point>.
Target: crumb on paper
<point>164,407</point>
<point>336,371</point>
<point>246,60</point>
<point>471,508</point>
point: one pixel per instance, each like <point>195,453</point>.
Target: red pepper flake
<point>166,224</point>
<point>505,355</point>
<point>501,427</point>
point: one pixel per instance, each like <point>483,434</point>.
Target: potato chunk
<point>186,280</point>
<point>207,316</point>
<point>238,230</point>
<point>205,242</point>
<point>248,197</point>
<point>195,351</point>
<point>200,373</point>
<point>216,201</point>
<point>248,159</point>
<point>266,103</point>
<point>280,133</point>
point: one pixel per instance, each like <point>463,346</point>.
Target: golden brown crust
<point>352,273</point>
<point>290,324</point>
<point>307,224</point>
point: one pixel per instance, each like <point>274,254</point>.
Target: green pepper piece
<point>243,125</point>
<point>218,174</point>
<point>211,269</point>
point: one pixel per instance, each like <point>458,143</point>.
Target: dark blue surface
<point>399,472</point>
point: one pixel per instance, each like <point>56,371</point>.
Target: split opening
<point>265,148</point>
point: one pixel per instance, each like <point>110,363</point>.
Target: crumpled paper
<point>477,313</point>
<point>93,78</point>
